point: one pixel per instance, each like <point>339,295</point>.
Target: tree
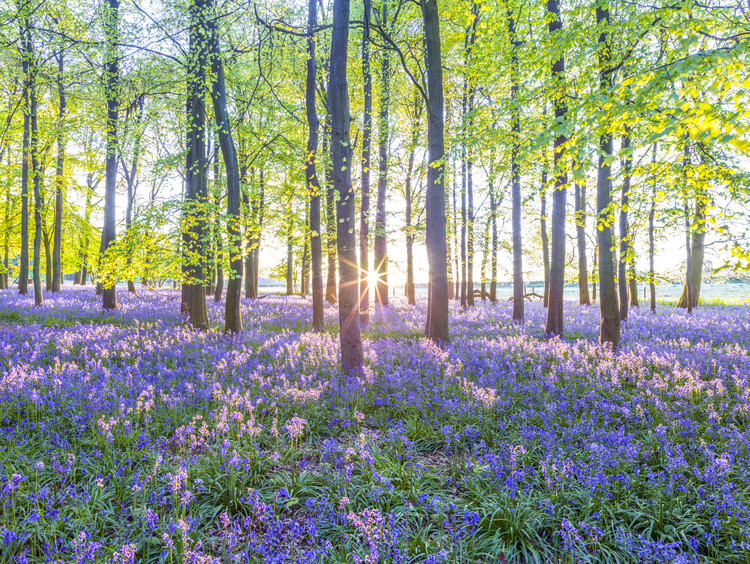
<point>559,196</point>
<point>436,327</point>
<point>112,95</point>
<point>364,222</point>
<point>313,184</point>
<point>338,97</point>
<point>610,313</point>
<point>232,314</point>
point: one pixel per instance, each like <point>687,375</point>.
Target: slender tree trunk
<point>651,216</point>
<point>543,228</point>
<point>583,269</point>
<point>493,211</point>
<point>410,229</point>
<point>289,255</point>
<point>697,247</point>
<point>518,291</point>
<point>331,249</point>
<point>256,247</point>
<point>47,242</point>
<point>485,258</point>
<point>380,249</point>
<point>594,272</point>
<point>455,241</point>
<point>305,267</point>
<point>688,269</point>
<point>364,222</point>
<point>560,194</point>
<point>219,289</point>
<point>313,185</point>
<point>6,239</point>
<point>196,190</point>
<point>232,313</point>
<point>352,356</point>
<point>610,312</point>
<point>59,179</point>
<point>464,288</point>
<point>29,70</point>
<point>112,95</point>
<point>131,180</point>
<point>436,327</point>
<point>622,275</point>
<point>38,297</point>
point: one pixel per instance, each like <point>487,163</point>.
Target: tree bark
<point>543,228</point>
<point>515,166</point>
<point>28,66</point>
<point>436,327</point>
<point>59,178</point>
<point>622,275</point>
<point>651,216</point>
<point>232,313</point>
<point>458,271</point>
<point>559,196</point>
<point>697,247</point>
<point>688,269</point>
<point>112,95</point>
<point>364,222</point>
<point>380,249</point>
<point>485,259</point>
<point>583,269</point>
<point>313,184</point>
<point>352,356</point>
<point>493,211</point>
<point>219,289</point>
<point>610,312</point>
<point>195,186</point>
<point>330,218</point>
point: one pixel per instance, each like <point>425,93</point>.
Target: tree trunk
<point>289,255</point>
<point>436,327</point>
<point>515,165</point>
<point>364,222</point>
<point>331,247</point>
<point>196,189</point>
<point>131,180</point>
<point>458,271</point>
<point>697,247</point>
<point>47,242</point>
<point>485,258</point>
<point>352,356</point>
<point>219,289</point>
<point>559,196</point>
<point>688,269</point>
<point>610,312</point>
<point>583,269</point>
<point>651,216</point>
<point>464,288</point>
<point>112,95</point>
<point>493,211</point>
<point>622,275</point>
<point>29,70</point>
<point>59,179</point>
<point>304,267</point>
<point>232,313</point>
<point>410,229</point>
<point>543,228</point>
<point>380,249</point>
<point>313,185</point>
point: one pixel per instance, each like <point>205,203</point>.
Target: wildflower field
<point>128,437</point>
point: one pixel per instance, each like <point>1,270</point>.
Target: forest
<point>384,281</point>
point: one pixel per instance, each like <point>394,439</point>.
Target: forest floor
<point>128,437</point>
